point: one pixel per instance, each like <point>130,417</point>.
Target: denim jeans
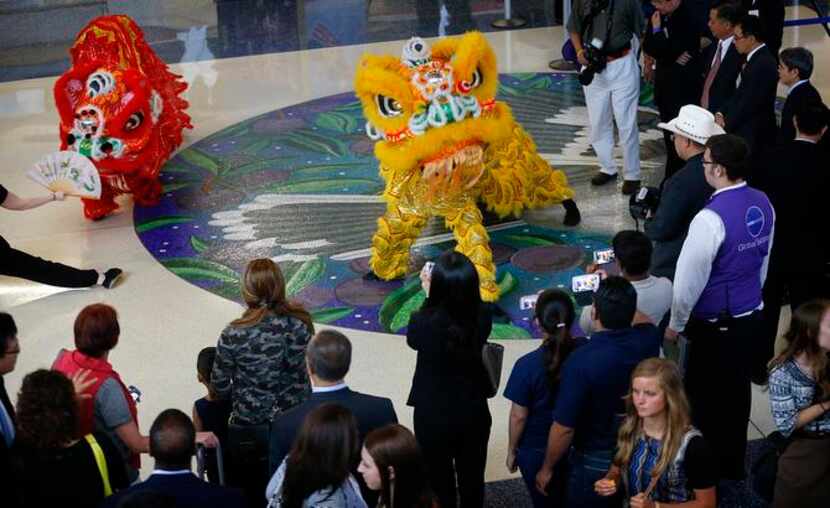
<point>585,469</point>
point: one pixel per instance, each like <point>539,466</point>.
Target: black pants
<point>247,466</point>
<point>801,288</point>
<point>717,383</point>
<point>455,448</point>
<point>15,263</point>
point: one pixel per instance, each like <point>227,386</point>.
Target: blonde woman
<point>661,459</point>
<point>260,367</point>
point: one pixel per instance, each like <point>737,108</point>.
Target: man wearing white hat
<point>685,193</point>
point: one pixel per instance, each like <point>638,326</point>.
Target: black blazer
<point>771,13</point>
<point>675,85</point>
<point>371,413</point>
<point>684,194</point>
<point>795,178</point>
<point>751,114</point>
<point>446,383</point>
<point>803,95</point>
<point>187,490</point>
<point>724,85</point>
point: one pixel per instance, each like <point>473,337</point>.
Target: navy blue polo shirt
<point>528,386</point>
<point>595,378</point>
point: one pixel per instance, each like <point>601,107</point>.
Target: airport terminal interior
<point>278,165</point>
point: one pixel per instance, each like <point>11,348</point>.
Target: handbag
<point>764,469</point>
<point>492,356</point>
<point>101,462</point>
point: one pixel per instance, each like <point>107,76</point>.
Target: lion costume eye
<point>99,83</point>
<point>134,122</point>
<point>475,81</point>
<point>388,107</point>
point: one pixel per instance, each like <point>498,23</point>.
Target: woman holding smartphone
<point>450,385</point>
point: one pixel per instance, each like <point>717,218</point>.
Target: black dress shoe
<point>602,178</point>
<point>572,215</point>
<point>630,187</point>
<point>111,277</point>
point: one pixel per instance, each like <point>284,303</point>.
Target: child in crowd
<point>210,413</point>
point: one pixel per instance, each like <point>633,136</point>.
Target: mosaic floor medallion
<point>300,185</point>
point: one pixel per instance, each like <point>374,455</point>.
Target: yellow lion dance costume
<point>444,143</point>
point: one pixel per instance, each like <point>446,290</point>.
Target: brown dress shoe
<point>630,187</point>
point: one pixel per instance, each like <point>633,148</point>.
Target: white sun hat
<point>695,123</point>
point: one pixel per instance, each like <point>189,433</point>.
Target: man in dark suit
<point>672,40</point>
<point>685,193</point>
<point>9,351</point>
<point>795,67</point>
<point>771,13</point>
<point>795,179</point>
<point>328,358</point>
<point>751,115</point>
<point>721,61</point>
<point>172,445</point>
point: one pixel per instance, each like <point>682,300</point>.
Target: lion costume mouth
<point>455,168</point>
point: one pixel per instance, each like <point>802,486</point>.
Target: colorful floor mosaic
<point>300,185</point>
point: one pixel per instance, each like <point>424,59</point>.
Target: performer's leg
<point>625,99</point>
<point>390,246</point>
<point>474,242</point>
<point>16,263</point>
<point>95,209</point>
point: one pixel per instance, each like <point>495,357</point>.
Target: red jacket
<point>70,362</point>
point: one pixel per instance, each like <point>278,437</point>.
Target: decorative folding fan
<point>67,172</point>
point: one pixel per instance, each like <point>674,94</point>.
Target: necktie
<point>713,71</point>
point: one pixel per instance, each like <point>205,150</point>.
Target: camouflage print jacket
<point>261,368</point>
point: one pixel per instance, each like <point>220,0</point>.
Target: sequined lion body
<point>444,144</point>
<point>119,105</point>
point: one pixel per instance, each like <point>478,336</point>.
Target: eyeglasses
<point>712,163</point>
<point>740,37</point>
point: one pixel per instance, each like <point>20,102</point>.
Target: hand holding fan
<point>67,172</point>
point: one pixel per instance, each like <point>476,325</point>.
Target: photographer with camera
<point>601,32</point>
<point>672,40</point>
<point>685,193</point>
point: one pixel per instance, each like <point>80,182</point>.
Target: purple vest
<point>735,280</point>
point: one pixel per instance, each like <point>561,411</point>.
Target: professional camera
<point>596,62</point>
<point>643,204</point>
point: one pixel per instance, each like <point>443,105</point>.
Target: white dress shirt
<point>749,56</point>
<point>706,234</point>
<point>324,389</point>
<point>796,85</point>
<point>723,48</point>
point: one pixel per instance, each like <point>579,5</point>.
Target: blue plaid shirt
<point>790,392</point>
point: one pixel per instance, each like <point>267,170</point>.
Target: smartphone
<point>602,257</point>
<point>427,269</point>
<point>583,283</point>
<point>528,302</point>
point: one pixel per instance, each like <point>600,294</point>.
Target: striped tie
<point>713,71</point>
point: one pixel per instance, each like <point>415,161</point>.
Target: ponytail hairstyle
<point>555,314</point>
<point>263,289</point>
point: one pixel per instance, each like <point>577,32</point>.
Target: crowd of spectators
<point>643,400</point>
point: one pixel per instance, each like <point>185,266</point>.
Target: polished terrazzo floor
<point>164,319</point>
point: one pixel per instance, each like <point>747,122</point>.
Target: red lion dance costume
<point>119,105</point>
